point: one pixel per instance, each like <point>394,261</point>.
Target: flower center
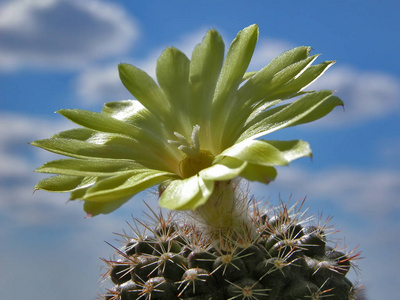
<point>195,159</point>
<point>190,166</point>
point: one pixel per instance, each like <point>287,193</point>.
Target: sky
<point>64,54</point>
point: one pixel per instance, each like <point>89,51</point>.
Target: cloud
<point>101,84</point>
<point>372,193</point>
<point>61,33</point>
<point>15,152</point>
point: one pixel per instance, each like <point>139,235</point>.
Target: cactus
<point>195,134</point>
<point>285,257</point>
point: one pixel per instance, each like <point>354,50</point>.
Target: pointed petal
<point>173,77</point>
<point>105,123</point>
<point>59,183</point>
<point>281,79</point>
<point>226,169</point>
<point>96,208</point>
<point>99,122</point>
<point>80,191</point>
<point>134,113</point>
<point>186,194</point>
<point>144,89</point>
<point>84,167</point>
<point>115,147</point>
<point>263,153</point>
<point>308,108</point>
<point>286,59</point>
<point>80,134</point>
<point>264,83</point>
<point>108,146</point>
<point>205,66</point>
<point>125,185</point>
<point>233,69</point>
<point>260,173</point>
<point>255,151</point>
<point>292,87</point>
<point>292,150</point>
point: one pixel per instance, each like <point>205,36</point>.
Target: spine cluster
<point>287,259</point>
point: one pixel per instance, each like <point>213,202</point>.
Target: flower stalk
<point>225,216</point>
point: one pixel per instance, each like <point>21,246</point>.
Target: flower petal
<point>292,150</point>
<point>144,89</point>
<point>95,208</point>
<point>233,69</point>
<point>59,183</point>
<point>205,66</point>
<point>308,108</point>
<point>292,87</point>
<point>226,169</point>
<point>286,59</point>
<point>105,123</point>
<point>260,173</point>
<point>106,146</point>
<point>80,190</point>
<point>116,147</point>
<point>173,77</point>
<point>99,122</point>
<point>125,185</point>
<point>84,167</point>
<point>265,82</point>
<point>281,79</point>
<point>134,113</point>
<point>186,194</point>
<point>263,153</point>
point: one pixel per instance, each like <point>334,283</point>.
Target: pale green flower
<point>198,127</point>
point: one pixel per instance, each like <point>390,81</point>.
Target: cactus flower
<point>199,127</point>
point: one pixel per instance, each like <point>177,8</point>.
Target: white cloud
<point>101,84</point>
<point>61,33</point>
<point>20,130</point>
<point>389,149</point>
<point>372,193</point>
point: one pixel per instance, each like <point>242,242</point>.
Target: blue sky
<point>63,54</point>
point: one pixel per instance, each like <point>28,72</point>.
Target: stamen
<point>190,149</point>
<point>196,138</point>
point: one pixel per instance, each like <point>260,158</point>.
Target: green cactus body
<point>281,257</point>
